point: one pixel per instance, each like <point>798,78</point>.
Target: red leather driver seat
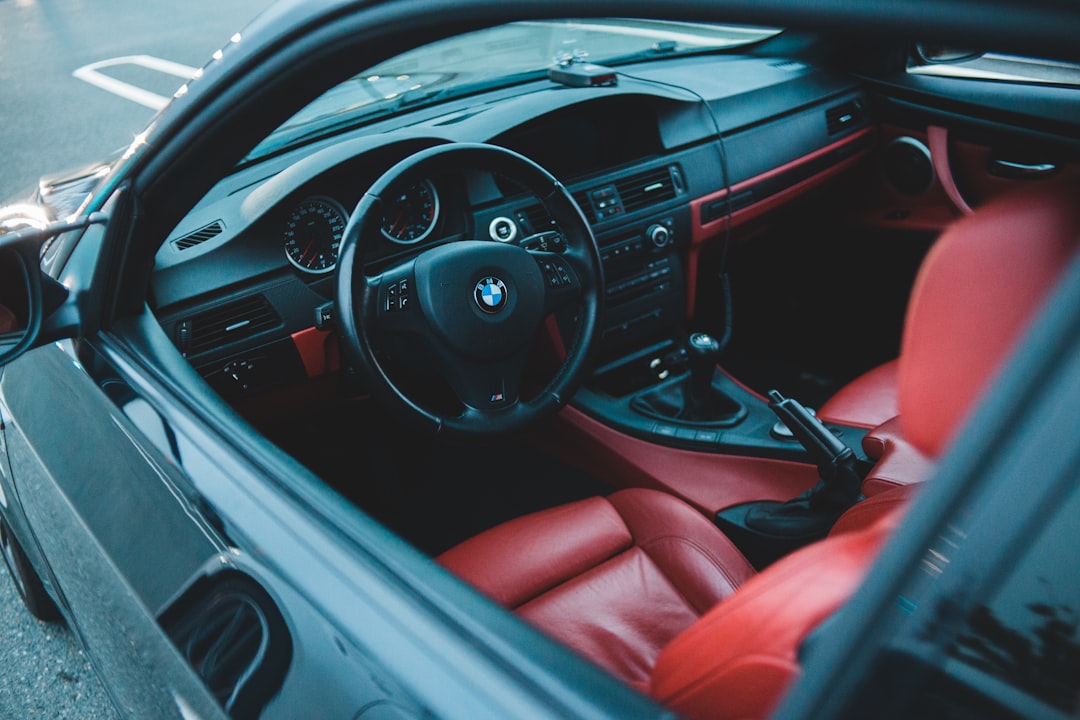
<point>615,578</point>
<point>645,586</point>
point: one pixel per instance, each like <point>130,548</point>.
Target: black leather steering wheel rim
<point>447,312</point>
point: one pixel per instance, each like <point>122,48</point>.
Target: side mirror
<point>26,294</point>
<point>20,300</point>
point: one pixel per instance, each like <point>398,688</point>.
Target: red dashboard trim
<point>938,138</point>
<point>701,232</point>
<point>317,350</point>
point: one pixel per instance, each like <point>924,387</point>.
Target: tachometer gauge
<point>411,213</point>
<point>313,233</point>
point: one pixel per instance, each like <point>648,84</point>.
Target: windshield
<point>496,57</point>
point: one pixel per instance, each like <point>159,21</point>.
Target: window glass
<point>958,63</point>
<point>1025,634</point>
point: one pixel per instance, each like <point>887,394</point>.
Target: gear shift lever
<point>703,352</point>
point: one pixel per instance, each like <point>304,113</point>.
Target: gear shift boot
<point>694,400</point>
<point>670,403</point>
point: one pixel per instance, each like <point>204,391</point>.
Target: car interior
<point>778,227</point>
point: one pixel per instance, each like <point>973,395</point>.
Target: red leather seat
<point>623,580</point>
<point>874,397</point>
<point>614,578</point>
<point>867,401</point>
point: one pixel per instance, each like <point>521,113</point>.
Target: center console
<point>645,281</point>
<point>646,358</point>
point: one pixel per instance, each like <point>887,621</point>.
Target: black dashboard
<point>244,283</point>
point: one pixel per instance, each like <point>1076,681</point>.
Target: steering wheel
<point>473,307</point>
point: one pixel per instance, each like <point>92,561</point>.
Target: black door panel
<point>119,537</point>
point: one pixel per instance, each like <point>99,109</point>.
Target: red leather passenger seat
<point>874,397</point>
<point>867,401</point>
<point>645,586</point>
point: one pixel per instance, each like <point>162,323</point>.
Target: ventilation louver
<point>535,219</point>
<point>199,236</point>
<point>646,188</point>
<point>623,196</point>
<point>225,324</point>
<point>843,116</point>
<point>581,197</point>
<point>788,65</point>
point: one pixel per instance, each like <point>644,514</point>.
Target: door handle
<point>1021,170</point>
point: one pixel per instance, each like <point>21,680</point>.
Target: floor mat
<point>431,491</point>
<point>812,311</point>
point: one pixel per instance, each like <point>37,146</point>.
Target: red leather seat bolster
<point>865,514</point>
<point>618,615</point>
<point>868,400</point>
<point>898,462</point>
<point>698,559</point>
<point>738,658</point>
<point>515,562</point>
<point>614,579</point>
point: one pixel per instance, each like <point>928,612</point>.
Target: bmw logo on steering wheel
<point>490,294</point>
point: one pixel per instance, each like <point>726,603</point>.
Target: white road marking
<point>89,73</point>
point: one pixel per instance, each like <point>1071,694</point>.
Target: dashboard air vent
<point>788,65</point>
<point>582,199</point>
<point>225,324</point>
<point>645,189</point>
<point>843,116</point>
<point>534,219</point>
<point>201,235</point>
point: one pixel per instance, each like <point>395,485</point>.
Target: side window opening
<point>964,63</point>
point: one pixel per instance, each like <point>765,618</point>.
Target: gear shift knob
<point>704,352</point>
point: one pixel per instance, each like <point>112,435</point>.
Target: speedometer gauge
<point>313,233</point>
<point>411,213</point>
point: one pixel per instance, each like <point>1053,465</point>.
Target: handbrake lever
<point>770,529</point>
<point>825,449</point>
<point>840,469</point>
<point>811,514</point>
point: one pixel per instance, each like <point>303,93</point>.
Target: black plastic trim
<point>777,184</point>
<point>233,635</point>
<point>750,436</point>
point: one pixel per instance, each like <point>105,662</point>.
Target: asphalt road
<point>52,121</point>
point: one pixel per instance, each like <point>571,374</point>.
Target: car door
<point>954,136</point>
<point>120,535</point>
<point>179,541</point>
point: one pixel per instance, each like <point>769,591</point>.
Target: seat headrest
<point>979,287</point>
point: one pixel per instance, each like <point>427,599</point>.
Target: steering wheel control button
<point>555,273</point>
<point>490,294</point>
<point>397,296</point>
<point>502,229</point>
